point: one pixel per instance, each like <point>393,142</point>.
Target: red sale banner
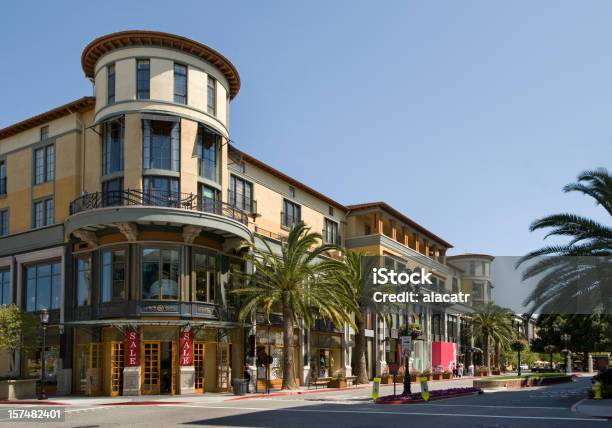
<point>186,350</point>
<point>132,348</point>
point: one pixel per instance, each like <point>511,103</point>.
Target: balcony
<point>93,211</point>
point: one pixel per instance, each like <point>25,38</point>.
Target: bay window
<point>161,191</point>
<point>206,274</point>
<point>113,275</point>
<point>83,280</point>
<point>160,273</point>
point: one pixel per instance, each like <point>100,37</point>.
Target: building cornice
<point>134,38</point>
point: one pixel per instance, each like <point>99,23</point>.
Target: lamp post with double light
<point>44,321</point>
<point>568,355</point>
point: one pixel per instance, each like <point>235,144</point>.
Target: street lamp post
<point>568,357</point>
<point>44,321</point>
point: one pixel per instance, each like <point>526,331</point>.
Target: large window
<point>180,83</point>
<point>110,83</point>
<point>43,213</point>
<point>330,232</point>
<point>160,273</point>
<point>161,191</point>
<point>44,164</point>
<point>112,192</point>
<point>161,144</point>
<point>211,102</point>
<point>209,198</point>
<point>241,194</point>
<point>205,270</point>
<point>208,153</point>
<point>44,286</point>
<point>83,280</point>
<point>112,146</point>
<point>6,292</point>
<point>143,79</point>
<point>113,275</point>
<point>292,213</point>
<point>2,177</point>
<point>4,222</point>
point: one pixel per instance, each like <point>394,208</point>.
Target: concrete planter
<point>437,376</point>
<point>520,383</point>
<point>17,389</point>
<point>337,383</point>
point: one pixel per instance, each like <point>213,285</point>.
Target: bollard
<point>597,390</point>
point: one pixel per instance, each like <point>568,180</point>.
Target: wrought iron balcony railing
<point>156,198</point>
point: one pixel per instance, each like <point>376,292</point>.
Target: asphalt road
<point>534,407</point>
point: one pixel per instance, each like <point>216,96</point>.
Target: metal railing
<point>156,198</point>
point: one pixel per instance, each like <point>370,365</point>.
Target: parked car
<point>524,367</point>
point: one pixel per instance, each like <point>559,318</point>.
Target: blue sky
<point>468,116</point>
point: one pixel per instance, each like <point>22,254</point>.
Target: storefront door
<point>198,362</point>
<point>151,367</point>
<point>88,368</point>
<point>116,371</point>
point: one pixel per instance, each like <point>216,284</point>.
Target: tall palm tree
<point>297,281</point>
<point>571,284</point>
<point>355,274</point>
<point>492,324</point>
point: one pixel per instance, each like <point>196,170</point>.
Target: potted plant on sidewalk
<point>447,375</point>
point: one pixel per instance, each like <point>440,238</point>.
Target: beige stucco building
<point>121,213</point>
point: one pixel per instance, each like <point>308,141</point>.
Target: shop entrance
<point>159,367</point>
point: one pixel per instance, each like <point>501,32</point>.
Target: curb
<point>41,402</point>
<point>288,393</point>
<point>574,409</point>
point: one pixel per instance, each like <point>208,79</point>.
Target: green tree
<point>492,324</point>
<point>18,330</point>
<point>299,282</point>
<point>567,283</point>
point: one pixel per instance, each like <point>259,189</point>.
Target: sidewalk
<point>595,408</point>
<point>215,397</point>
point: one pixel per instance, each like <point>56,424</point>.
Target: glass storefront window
<point>113,275</point>
<point>43,286</point>
<point>160,273</point>
<point>205,269</point>
<point>83,280</point>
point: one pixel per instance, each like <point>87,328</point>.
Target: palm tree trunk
<point>359,357</point>
<point>288,350</point>
<point>487,352</point>
<point>497,355</point>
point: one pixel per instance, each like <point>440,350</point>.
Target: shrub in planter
<point>447,375</point>
<point>437,376</point>
<point>338,382</point>
<point>385,378</point>
<point>483,373</point>
<point>427,374</point>
<point>413,375</point>
<point>496,372</point>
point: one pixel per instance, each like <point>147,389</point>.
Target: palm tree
<point>566,282</point>
<point>492,324</point>
<point>354,273</point>
<point>297,281</point>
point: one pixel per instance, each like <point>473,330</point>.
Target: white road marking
<point>377,412</point>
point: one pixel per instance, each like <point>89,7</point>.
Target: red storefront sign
<point>186,350</point>
<point>132,348</point>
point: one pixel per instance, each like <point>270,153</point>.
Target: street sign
<point>406,342</point>
<point>375,388</point>
<point>424,388</point>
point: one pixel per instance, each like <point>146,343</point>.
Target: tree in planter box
<point>18,330</point>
